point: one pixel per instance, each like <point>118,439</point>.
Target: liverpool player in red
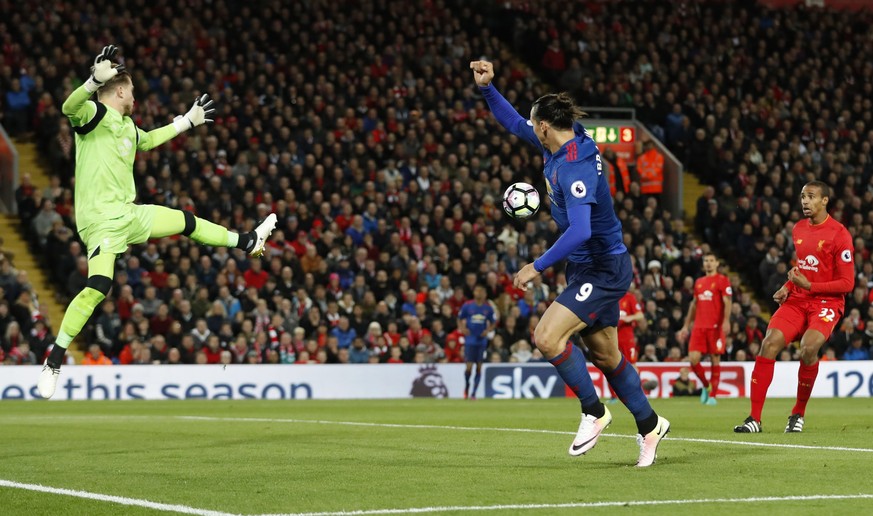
<point>811,303</point>
<point>710,313</point>
<point>630,315</point>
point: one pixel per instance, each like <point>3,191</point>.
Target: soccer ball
<point>521,200</point>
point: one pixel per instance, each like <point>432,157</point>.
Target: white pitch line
<point>590,505</point>
<point>184,509</point>
<point>122,500</point>
<point>521,430</point>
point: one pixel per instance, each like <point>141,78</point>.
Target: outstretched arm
<point>147,140</point>
<point>200,113</point>
<point>483,73</point>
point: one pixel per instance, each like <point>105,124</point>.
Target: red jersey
<point>709,293</point>
<point>627,305</point>
<point>826,256</point>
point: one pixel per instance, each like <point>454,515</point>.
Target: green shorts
<point>114,235</point>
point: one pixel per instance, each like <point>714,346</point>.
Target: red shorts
<point>629,349</point>
<point>796,316</point>
<point>708,341</point>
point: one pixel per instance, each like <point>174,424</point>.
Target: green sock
<point>210,233</point>
<point>77,315</point>
<point>63,340</point>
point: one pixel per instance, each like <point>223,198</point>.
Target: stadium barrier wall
<point>387,381</point>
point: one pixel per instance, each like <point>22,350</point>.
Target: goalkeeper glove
<point>103,70</point>
<point>199,114</point>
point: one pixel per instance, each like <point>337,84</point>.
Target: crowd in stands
<point>359,125</point>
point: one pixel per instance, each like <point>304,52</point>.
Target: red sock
<point>698,370</point>
<point>805,380</point>
<point>714,378</point>
<point>762,375</point>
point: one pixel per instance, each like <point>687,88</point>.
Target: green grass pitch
<point>280,457</point>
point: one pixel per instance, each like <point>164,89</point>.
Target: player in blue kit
<point>475,320</point>
<point>599,269</point>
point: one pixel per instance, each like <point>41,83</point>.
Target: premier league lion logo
<point>429,384</point>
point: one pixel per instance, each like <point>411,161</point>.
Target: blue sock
<point>573,370</point>
<point>625,381</point>
<point>466,382</point>
<point>476,383</point>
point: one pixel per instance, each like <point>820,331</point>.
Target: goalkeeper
<point>106,217</point>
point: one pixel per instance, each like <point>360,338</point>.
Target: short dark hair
<point>558,109</point>
<point>821,185</point>
<point>122,77</point>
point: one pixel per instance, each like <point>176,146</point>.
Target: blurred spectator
<point>22,354</point>
<point>857,349</point>
<point>684,385</point>
<point>649,354</point>
<point>650,168</point>
<point>44,221</point>
<point>18,111</point>
<point>358,354</point>
<point>95,356</point>
<point>343,333</point>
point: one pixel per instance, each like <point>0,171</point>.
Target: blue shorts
<point>475,352</point>
<point>594,289</point>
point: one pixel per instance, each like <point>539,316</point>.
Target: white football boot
<point>589,431</point>
<point>48,381</point>
<point>649,443</point>
<point>263,233</point>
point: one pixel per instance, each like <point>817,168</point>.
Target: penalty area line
<point>121,500</point>
<point>520,430</point>
<point>588,505</point>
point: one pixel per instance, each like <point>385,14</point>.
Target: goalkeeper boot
<point>795,424</point>
<point>262,233</point>
<point>589,431</point>
<point>749,426</point>
<point>48,381</point>
<point>649,443</point>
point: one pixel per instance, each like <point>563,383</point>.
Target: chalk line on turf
<point>184,509</point>
<point>522,430</point>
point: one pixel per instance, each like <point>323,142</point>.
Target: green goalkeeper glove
<point>199,114</point>
<point>103,70</point>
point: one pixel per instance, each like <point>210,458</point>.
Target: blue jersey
<point>574,176</point>
<point>477,318</point>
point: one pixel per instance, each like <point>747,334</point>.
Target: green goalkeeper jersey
<point>106,145</point>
